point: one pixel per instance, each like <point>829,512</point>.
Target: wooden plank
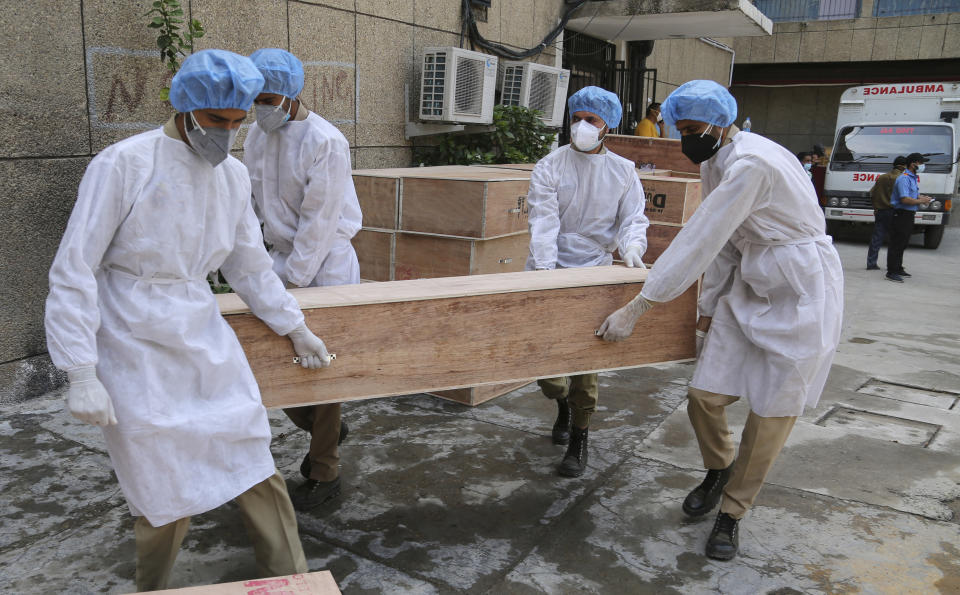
<point>313,583</point>
<point>420,256</point>
<point>517,166</point>
<point>670,199</point>
<point>660,153</point>
<point>375,251</point>
<point>379,200</point>
<point>403,337</point>
<point>478,208</point>
<point>475,395</point>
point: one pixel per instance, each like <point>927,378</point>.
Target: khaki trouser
<point>581,392</point>
<point>323,424</point>
<point>760,444</point>
<point>270,523</point>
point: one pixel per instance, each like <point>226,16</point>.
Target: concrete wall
<point>799,116</point>
<point>795,117</point>
<point>680,60</point>
<point>78,76</point>
<point>917,37</point>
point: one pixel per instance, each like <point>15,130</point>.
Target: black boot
<point>706,495</point>
<point>724,540</point>
<point>575,461</point>
<point>306,466</point>
<point>313,493</point>
<point>561,427</point>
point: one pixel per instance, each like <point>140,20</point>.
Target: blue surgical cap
<point>703,101</point>
<point>215,79</point>
<point>599,101</point>
<point>282,71</point>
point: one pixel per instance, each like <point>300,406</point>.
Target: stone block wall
<point>78,76</point>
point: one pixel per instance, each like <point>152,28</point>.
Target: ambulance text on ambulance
<point>895,90</point>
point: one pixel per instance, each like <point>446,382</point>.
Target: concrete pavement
<point>443,498</point>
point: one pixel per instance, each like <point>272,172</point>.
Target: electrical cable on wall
<point>470,24</point>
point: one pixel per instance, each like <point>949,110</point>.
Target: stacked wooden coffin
<point>444,221</point>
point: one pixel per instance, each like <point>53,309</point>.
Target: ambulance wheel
<point>932,236</point>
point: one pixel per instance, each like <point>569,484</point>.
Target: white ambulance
<point>877,123</point>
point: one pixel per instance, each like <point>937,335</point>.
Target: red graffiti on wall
<point>332,87</point>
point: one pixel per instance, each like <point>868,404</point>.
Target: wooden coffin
<point>659,236</point>
<point>645,151</point>
<point>379,198</point>
<point>375,252</point>
<point>312,583</point>
<point>670,199</point>
<point>419,256</point>
<point>475,395</point>
<point>428,335</point>
<point>520,166</point>
<point>477,203</point>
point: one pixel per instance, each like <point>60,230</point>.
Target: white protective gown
<point>772,279</point>
<point>582,207</point>
<point>128,292</point>
<point>303,192</point>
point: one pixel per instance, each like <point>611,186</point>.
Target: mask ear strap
<point>196,125</point>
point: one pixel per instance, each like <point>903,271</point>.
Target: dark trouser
<point>901,226</point>
<point>323,423</point>
<point>881,230</point>
<point>581,391</point>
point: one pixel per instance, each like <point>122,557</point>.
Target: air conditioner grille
<point>512,82</point>
<point>469,84</point>
<point>543,90</point>
<point>431,98</point>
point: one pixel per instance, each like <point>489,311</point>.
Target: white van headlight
<point>844,201</point>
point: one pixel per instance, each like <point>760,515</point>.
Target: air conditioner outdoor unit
<point>536,86</point>
<point>457,85</point>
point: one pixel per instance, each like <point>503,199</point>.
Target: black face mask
<point>699,148</point>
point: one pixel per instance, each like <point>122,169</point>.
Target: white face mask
<point>272,117</point>
<point>921,167</point>
<point>585,136</point>
<point>659,117</point>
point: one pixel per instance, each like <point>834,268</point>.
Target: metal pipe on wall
<point>726,48</point>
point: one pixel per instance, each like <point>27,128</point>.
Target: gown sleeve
<point>543,217</point>
<point>633,223</point>
<point>249,271</point>
<point>323,200</point>
<point>72,316</point>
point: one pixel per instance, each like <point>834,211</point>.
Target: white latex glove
<point>87,398</point>
<point>633,257</point>
<point>700,336</point>
<point>309,348</point>
<point>619,325</point>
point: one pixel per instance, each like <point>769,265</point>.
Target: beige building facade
<point>80,75</point>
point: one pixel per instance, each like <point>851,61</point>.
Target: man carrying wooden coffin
<point>132,321</point>
<point>303,193</point>
<point>770,306</point>
<point>584,203</point>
